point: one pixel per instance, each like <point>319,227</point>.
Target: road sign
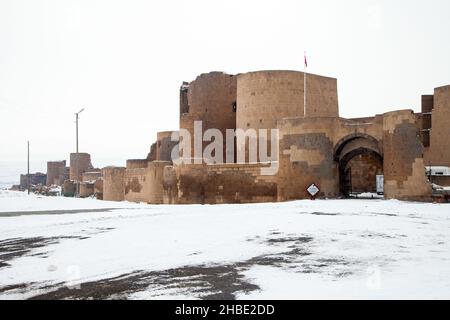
<point>313,190</point>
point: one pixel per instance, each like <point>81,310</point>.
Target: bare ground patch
<point>17,247</point>
<point>207,282</point>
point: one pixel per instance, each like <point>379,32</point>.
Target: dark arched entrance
<point>360,160</point>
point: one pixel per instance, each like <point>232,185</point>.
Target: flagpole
<point>304,85</point>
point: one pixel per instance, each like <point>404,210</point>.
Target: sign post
<point>313,191</point>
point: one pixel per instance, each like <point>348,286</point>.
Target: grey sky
<point>125,60</point>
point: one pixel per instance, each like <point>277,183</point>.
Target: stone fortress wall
<point>316,146</point>
<point>438,151</point>
<point>56,173</point>
<point>211,98</point>
<point>79,164</point>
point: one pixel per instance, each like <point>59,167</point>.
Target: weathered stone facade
<point>56,172</point>
<point>315,146</point>
<point>113,183</point>
<point>145,184</point>
<point>211,98</point>
<point>438,151</point>
<point>223,183</point>
<point>79,164</point>
<point>91,176</point>
<point>34,179</point>
<point>164,146</point>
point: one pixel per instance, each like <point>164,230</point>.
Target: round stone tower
<point>113,183</point>
<point>264,97</point>
<point>211,99</point>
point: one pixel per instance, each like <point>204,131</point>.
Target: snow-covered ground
<point>338,249</point>
<point>15,202</point>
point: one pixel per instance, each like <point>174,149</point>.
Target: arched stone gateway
<point>360,160</point>
<point>358,170</point>
<point>359,138</point>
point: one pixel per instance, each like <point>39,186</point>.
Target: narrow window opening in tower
<point>234,106</point>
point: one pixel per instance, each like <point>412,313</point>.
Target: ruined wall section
<point>79,164</point>
<point>64,174</point>
<point>35,179</point>
<point>152,154</point>
<point>137,163</point>
<point>404,168</point>
<point>91,176</point>
<point>136,187</point>
<point>164,146</point>
<point>210,98</point>
<point>113,183</point>
<point>439,151</point>
<point>98,188</point>
<point>145,184</point>
<point>224,183</point>
<point>69,188</point>
<point>155,173</point>
<point>191,181</point>
<point>86,189</point>
<point>170,185</point>
<point>54,169</point>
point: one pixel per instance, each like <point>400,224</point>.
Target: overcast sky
<point>124,61</point>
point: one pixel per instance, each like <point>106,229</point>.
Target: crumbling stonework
<point>69,188</point>
<point>170,185</point>
<point>137,163</point>
<point>91,176</point>
<point>306,157</point>
<point>64,174</point>
<point>404,168</point>
<point>86,189</point>
<point>79,164</point>
<point>54,171</point>
<point>152,154</point>
<point>145,184</point>
<point>164,146</point>
<point>140,181</point>
<point>98,188</point>
<point>35,179</point>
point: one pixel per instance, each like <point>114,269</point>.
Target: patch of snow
<point>17,201</point>
<point>358,249</point>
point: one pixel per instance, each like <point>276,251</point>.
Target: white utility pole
<point>76,122</point>
<point>28,167</point>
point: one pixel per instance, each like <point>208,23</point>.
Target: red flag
<point>306,61</point>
